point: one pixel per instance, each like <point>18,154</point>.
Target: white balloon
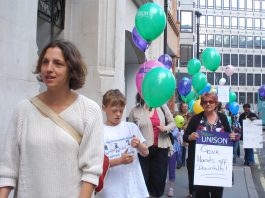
<point>222,81</point>
<point>229,70</point>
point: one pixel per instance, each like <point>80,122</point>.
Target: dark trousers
<point>154,168</point>
<point>190,167</point>
<point>209,192</point>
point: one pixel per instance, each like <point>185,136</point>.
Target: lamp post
<point>198,15</point>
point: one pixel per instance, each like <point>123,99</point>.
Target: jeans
<point>249,156</point>
<point>235,149</point>
<point>172,160</point>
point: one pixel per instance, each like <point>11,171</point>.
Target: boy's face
<point>113,114</point>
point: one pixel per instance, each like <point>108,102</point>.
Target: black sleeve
<point>225,122</point>
<point>241,119</point>
<point>193,123</point>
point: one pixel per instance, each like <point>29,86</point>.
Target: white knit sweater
<point>41,160</point>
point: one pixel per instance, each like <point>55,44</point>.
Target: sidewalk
<point>243,183</point>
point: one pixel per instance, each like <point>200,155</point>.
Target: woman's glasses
<point>208,101</point>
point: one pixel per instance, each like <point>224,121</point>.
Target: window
<point>210,4</point>
<point>242,23</point>
<point>263,24</point>
<point>218,40</point>
<point>263,43</point>
<point>242,98</point>
<point>242,79</point>
<point>186,21</point>
<point>257,42</point>
<point>234,4</point>
<point>257,59</point>
<point>202,21</point>
<point>234,23</point>
<point>218,4</point>
<point>210,77</point>
<point>234,79</point>
<point>218,21</point>
<point>263,79</point>
<point>257,6</point>
<point>234,41</point>
<point>221,62</point>
<point>249,5</point>
<point>218,76</point>
<point>257,79</point>
<point>242,60</point>
<point>250,42</point>
<point>226,59</point>
<point>186,54</point>
<point>263,61</point>
<point>226,22</point>
<point>249,60</point>
<point>263,6</point>
<point>242,41</point>
<point>257,24</point>
<point>202,4</point>
<point>249,79</point>
<point>202,40</point>
<point>241,4</point>
<point>227,5</point>
<point>234,60</point>
<point>226,41</point>
<point>210,21</point>
<point>210,40</point>
<point>249,97</point>
<point>249,23</point>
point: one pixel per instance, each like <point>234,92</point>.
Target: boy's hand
<point>135,142</point>
<point>126,158</point>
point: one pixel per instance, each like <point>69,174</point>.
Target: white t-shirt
<point>123,181</point>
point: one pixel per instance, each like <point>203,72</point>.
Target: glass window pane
<point>234,23</point>
<point>249,23</point>
<point>185,54</point>
<point>263,79</point>
<point>210,4</point>
<point>226,4</point>
<point>218,21</point>
<point>242,41</point>
<point>226,59</point>
<point>257,5</point>
<point>242,98</point>
<point>249,79</point>
<point>257,79</point>
<point>250,98</point>
<point>257,60</point>
<point>241,4</point>
<point>202,4</point>
<point>202,40</point>
<point>226,22</point>
<point>186,21</point>
<point>242,79</point>
<point>210,21</point>
<point>249,60</point>
<point>234,4</point>
<point>226,40</point>
<point>234,79</point>
<point>218,40</point>
<point>202,21</point>
<point>257,24</point>
<point>263,6</point>
<point>250,42</point>
<point>257,42</point>
<point>218,4</point>
<point>249,5</point>
<point>234,41</point>
<point>210,40</point>
<point>263,24</point>
<point>234,60</point>
<point>242,23</point>
<point>263,61</point>
<point>242,60</point>
<point>210,77</point>
<point>263,43</point>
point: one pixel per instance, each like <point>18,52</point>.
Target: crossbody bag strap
<point>56,118</point>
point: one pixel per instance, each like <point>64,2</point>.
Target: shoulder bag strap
<point>56,118</point>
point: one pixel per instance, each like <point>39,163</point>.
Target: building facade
<point>236,29</point>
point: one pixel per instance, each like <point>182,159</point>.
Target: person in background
<point>249,153</point>
<point>237,130</point>
<point>123,141</point>
<point>39,158</point>
<point>154,124</point>
<point>208,120</point>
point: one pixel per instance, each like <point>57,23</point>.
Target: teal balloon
<point>191,103</point>
<point>232,96</point>
<point>188,97</point>
<point>150,21</point>
<point>211,59</point>
<point>199,81</point>
<point>158,87</point>
<point>194,66</point>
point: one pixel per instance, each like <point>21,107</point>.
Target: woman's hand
<point>193,136</point>
<point>162,128</point>
<point>232,135</point>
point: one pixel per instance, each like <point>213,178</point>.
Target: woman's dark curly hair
<point>73,59</point>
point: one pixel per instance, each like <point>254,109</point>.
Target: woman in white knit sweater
<point>39,159</point>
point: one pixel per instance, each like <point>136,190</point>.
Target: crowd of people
<point>43,157</point>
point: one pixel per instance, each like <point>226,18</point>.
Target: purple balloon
<point>166,60</point>
<point>139,41</point>
<point>184,87</point>
<point>262,91</point>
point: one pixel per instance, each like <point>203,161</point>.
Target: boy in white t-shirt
<point>122,142</point>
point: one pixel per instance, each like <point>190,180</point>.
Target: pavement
<point>243,182</point>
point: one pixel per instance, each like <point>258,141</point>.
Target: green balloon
<point>188,97</point>
<point>232,96</point>
<point>199,81</point>
<point>158,87</point>
<point>150,21</point>
<point>194,66</point>
<point>211,59</point>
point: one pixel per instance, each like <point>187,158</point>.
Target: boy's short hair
<point>114,97</point>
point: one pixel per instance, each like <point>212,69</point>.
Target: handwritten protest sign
<point>213,159</point>
<point>252,134</point>
<point>223,93</point>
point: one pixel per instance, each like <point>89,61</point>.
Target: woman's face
<point>54,70</point>
<point>184,107</point>
<point>209,104</point>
